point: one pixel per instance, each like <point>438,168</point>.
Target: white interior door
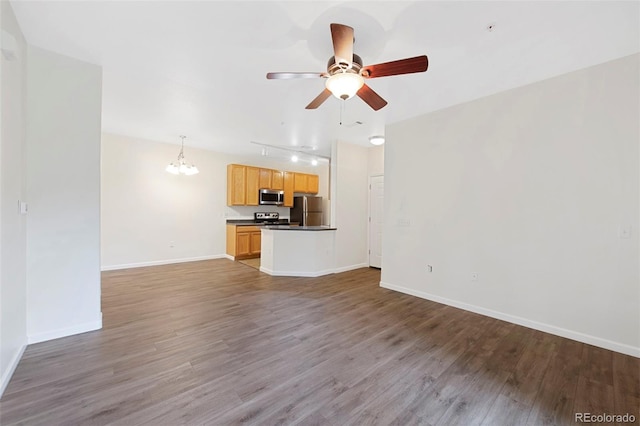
<point>376,197</point>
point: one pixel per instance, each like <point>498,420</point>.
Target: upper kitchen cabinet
<point>253,185</point>
<point>271,179</point>
<point>244,183</point>
<point>288,189</point>
<point>305,183</point>
<point>313,183</point>
<point>277,180</point>
<point>300,182</point>
<point>266,179</point>
<point>236,185</point>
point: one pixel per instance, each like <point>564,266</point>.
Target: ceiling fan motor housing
<point>355,66</point>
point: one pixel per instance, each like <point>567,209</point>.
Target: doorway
<point>376,206</point>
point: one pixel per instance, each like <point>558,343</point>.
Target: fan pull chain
<point>341,110</point>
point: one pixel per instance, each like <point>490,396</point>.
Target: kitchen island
<point>297,251</point>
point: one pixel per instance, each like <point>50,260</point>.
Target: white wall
<point>151,217</point>
<point>63,189</point>
<point>13,284</point>
<point>528,189</point>
<point>350,163</point>
<point>376,160</point>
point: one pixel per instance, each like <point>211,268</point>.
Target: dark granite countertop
<point>242,222</point>
<point>298,228</point>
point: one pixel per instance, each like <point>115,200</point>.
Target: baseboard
<point>547,328</point>
<point>296,274</point>
<point>163,262</point>
<point>350,267</point>
<point>64,332</point>
<point>313,274</point>
<point>6,377</point>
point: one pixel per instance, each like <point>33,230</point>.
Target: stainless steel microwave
<point>271,197</point>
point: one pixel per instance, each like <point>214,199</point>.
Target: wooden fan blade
<point>402,66</point>
<point>374,100</point>
<point>319,99</point>
<point>342,37</point>
<point>290,75</point>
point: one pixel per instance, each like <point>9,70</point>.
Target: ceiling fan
<point>346,75</point>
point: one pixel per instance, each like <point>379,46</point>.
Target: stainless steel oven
<point>271,197</point>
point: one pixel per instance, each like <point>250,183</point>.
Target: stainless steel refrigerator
<point>306,210</point>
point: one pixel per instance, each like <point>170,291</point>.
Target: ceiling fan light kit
<point>346,75</point>
<point>344,85</point>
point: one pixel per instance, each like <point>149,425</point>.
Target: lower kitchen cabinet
<point>243,241</point>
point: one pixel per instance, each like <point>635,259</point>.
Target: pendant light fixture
<point>181,166</point>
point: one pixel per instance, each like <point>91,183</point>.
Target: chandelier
<point>181,166</point>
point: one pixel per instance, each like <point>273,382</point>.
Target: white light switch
<point>23,207</point>
<point>404,222</point>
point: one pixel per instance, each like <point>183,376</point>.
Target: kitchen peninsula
<point>298,251</point>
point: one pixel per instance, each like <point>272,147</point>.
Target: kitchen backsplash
<point>246,212</point>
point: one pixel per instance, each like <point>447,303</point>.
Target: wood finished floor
<point>217,343</point>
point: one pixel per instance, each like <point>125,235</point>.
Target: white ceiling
<point>198,68</point>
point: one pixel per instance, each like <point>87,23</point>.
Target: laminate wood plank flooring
<point>219,343</point>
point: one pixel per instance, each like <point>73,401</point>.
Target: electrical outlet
<point>474,276</point>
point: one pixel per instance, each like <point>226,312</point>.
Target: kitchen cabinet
<point>244,182</point>
<point>288,189</point>
<point>313,184</point>
<point>265,179</point>
<point>236,185</point>
<point>243,241</point>
<point>304,183</point>
<point>277,180</point>
<point>253,186</point>
<point>300,182</point>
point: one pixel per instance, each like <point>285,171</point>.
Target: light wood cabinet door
<point>265,179</point>
<point>243,244</point>
<point>253,185</point>
<point>312,184</point>
<point>236,185</point>
<point>243,241</point>
<point>255,243</point>
<point>300,182</point>
<point>277,180</point>
<point>288,189</point>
